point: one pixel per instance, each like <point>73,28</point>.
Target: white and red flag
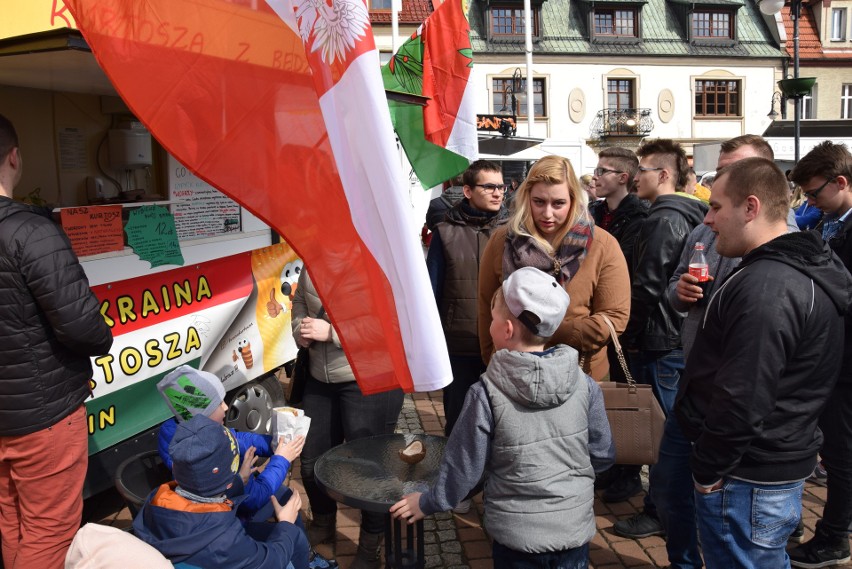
<point>281,106</point>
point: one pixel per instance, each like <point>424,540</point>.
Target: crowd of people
<point>752,368</point>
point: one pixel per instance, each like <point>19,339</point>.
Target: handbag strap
<point>321,312</point>
<point>618,352</point>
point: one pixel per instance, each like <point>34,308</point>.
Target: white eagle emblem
<point>333,25</point>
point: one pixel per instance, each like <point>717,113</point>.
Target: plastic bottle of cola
<point>698,266</point>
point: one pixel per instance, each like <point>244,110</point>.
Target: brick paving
<point>455,541</point>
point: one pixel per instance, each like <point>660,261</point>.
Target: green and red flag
<point>436,62</point>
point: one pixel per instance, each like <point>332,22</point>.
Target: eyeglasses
<point>814,193</point>
<point>493,188</point>
<point>646,169</point>
<point>601,171</point>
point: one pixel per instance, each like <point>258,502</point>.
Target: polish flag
<point>281,106</point>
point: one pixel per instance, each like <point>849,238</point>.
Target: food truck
<point>184,274</point>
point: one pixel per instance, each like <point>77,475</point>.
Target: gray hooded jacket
<point>535,425</point>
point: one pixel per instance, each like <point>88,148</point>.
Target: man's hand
<point>291,450</point>
<point>247,467</point>
<point>408,508</point>
<point>708,489</point>
<point>289,512</point>
<point>314,329</point>
<point>687,289</point>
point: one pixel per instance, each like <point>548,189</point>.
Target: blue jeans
<point>505,558</point>
<point>660,370</point>
<point>746,525</point>
<point>671,484</point>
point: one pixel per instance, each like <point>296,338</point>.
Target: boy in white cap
<point>536,426</point>
<point>193,521</point>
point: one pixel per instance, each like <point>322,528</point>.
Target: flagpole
<point>528,47</point>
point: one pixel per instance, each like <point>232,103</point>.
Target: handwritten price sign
<point>93,230</point>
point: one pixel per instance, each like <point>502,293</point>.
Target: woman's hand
<point>408,508</point>
<point>314,330</point>
<point>247,467</point>
<point>291,450</point>
<point>289,512</point>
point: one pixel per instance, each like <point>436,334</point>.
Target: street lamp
<point>778,97</point>
<point>795,88</point>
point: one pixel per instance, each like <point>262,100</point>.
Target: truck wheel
<point>250,406</point>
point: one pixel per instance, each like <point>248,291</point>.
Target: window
<point>501,97</point>
<point>380,4</point>
<point>846,102</point>
<point>507,21</point>
<point>615,23</point>
<point>838,24</point>
<point>809,104</point>
<point>717,98</point>
<point>619,94</point>
<point>712,25</point>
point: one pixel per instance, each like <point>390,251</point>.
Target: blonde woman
<point>550,229</point>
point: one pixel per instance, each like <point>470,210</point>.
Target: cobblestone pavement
<point>455,541</point>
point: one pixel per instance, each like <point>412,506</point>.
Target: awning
<point>499,145</point>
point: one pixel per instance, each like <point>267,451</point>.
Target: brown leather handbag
<point>635,416</point>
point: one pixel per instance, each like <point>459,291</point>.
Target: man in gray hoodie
<point>536,424</point>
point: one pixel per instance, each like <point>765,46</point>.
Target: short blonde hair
<point>549,170</point>
<point>527,336</point>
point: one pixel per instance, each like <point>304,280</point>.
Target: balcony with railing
<point>622,123</point>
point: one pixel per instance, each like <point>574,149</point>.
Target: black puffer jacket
<point>764,363</point>
<point>50,322</point>
<point>654,324</point>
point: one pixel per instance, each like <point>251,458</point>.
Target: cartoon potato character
<point>244,348</point>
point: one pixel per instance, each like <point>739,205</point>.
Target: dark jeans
<point>660,370</point>
<point>836,425</point>
<point>671,484</point>
<point>466,372</point>
<point>505,558</point>
<point>340,412</point>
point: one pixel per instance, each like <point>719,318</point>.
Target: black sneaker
<point>820,551</point>
<point>604,479</point>
<point>625,486</point>
<point>798,535</point>
<point>639,526</point>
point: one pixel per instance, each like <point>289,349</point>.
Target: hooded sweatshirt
<point>537,425</point>
<point>764,363</point>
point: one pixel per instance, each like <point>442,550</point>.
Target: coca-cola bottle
<point>698,267</point>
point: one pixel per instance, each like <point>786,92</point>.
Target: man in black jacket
<point>652,336</point>
<point>825,175</point>
<point>620,212</point>
<point>50,325</point>
<point>760,371</point>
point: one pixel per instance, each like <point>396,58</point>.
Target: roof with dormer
<point>663,24</point>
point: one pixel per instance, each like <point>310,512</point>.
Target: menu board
<point>93,230</point>
<point>199,209</point>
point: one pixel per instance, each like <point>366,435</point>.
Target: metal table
<point>369,475</point>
